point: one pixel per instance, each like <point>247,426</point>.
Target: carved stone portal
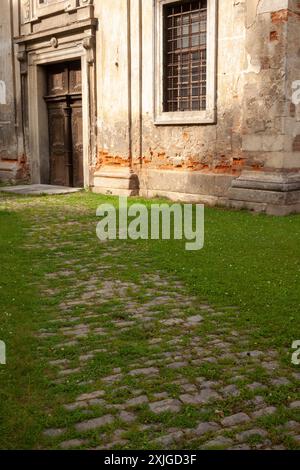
<point>26,10</point>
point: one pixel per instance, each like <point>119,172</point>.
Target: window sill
<point>185,118</point>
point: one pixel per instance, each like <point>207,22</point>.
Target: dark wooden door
<point>64,103</point>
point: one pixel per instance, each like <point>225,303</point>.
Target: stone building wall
<point>247,157</point>
<point>12,158</point>
<point>244,159</point>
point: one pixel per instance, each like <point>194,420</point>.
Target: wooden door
<point>64,103</point>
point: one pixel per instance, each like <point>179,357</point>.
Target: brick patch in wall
<point>274,36</point>
<point>296,144</point>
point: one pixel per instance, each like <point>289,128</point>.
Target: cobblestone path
<point>136,362</point>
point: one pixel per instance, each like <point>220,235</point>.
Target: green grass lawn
<point>249,261</point>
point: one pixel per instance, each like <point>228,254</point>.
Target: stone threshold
<point>38,189</point>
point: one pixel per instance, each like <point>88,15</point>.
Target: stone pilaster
<point>270,181</point>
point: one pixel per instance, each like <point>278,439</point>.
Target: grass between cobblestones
<point>141,344</point>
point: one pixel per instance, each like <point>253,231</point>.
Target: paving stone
<point>205,396</point>
<point>46,335</point>
<point>160,396</point>
<point>99,331</point>
<point>86,357</point>
<point>160,292</point>
<point>177,365</point>
<point>204,307</point>
<point>210,359</point>
<point>188,399</point>
<point>257,401</point>
<point>253,354</point>
<point>256,386</point>
<point>209,384</point>
<point>84,383</point>
<point>219,442</point>
<point>295,404</point>
<point>127,417</point>
<point>241,447</point>
<point>155,341</point>
<point>66,344</point>
<point>169,439</point>
<point>165,405</point>
<point>204,428</point>
<point>172,321</point>
<point>87,412</point>
<point>119,433</point>
<point>91,395</point>
<point>54,432</point>
<point>246,435</point>
<point>269,410</point>
<point>270,366</point>
<point>194,320</point>
<point>280,381</point>
<point>75,406</point>
<point>137,401</point>
<point>145,371</point>
<point>114,443</point>
<point>96,402</point>
<point>231,391</point>
<point>292,426</point>
<point>73,443</point>
<point>113,378</point>
<point>136,392</point>
<point>59,362</point>
<point>189,388</point>
<point>78,332</point>
<point>94,423</point>
<point>235,420</point>
<point>237,378</point>
<point>67,372</point>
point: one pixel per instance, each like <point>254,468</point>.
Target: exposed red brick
<point>292,110</point>
<point>238,162</point>
<point>111,160</point>
<point>257,166</point>
<point>282,16</point>
<point>296,144</point>
<point>274,36</point>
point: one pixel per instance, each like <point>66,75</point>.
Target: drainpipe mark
<point>2,92</point>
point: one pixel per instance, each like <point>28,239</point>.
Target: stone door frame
<point>79,46</point>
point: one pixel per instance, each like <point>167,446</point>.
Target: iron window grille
<point>185,56</point>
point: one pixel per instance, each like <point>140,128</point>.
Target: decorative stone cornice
<point>22,58</point>
<point>54,42</point>
<point>89,45</point>
<point>26,10</point>
<point>58,32</point>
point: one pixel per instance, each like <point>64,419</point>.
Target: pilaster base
<point>272,193</point>
<point>116,182</point>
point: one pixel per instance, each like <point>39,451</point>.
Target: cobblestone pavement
<point>136,362</point>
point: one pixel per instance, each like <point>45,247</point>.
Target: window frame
<point>207,116</point>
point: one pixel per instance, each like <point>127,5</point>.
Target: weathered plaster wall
<point>200,147</point>
<point>257,129</point>
<point>213,147</point>
<point>250,132</point>
<point>12,161</point>
<point>8,144</point>
<point>112,80</point>
<point>264,137</point>
<point>291,120</point>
